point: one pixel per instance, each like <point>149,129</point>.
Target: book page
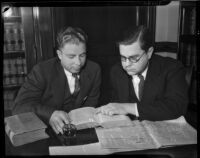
<point>169,133</point>
<point>113,121</point>
<point>133,137</point>
<point>88,149</point>
<point>83,117</point>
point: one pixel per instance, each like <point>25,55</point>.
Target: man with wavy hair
<point>146,85</point>
<point>59,85</point>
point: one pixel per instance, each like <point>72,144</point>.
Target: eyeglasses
<point>131,59</point>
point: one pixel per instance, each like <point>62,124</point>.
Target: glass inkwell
<point>69,134</point>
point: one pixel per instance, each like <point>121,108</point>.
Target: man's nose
<point>127,62</point>
<point>77,60</point>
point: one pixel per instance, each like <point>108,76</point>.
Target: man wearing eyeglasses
<point>59,85</point>
<point>145,85</point>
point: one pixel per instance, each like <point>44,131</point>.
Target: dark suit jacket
<point>47,88</point>
<point>165,89</point>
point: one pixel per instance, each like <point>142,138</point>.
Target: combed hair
<point>71,35</point>
<point>139,33</point>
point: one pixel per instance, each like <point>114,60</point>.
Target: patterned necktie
<point>77,84</point>
<point>140,86</point>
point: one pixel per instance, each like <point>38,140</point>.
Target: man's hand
<point>57,121</point>
<point>117,108</point>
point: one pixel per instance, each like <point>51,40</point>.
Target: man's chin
<point>76,71</point>
<point>131,73</point>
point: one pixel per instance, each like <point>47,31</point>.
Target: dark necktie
<point>140,86</point>
<point>77,84</point>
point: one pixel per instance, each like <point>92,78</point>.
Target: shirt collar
<point>67,73</point>
<point>144,73</point>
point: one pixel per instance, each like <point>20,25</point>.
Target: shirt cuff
<point>136,110</point>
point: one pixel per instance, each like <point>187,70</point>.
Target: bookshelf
<point>28,39</point>
<point>188,50</point>
<point>187,35</point>
<point>14,56</point>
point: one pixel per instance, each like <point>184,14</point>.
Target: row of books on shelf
<point>8,98</point>
<point>13,37</point>
<point>14,71</point>
<point>14,80</point>
<point>14,46</point>
<point>14,66</point>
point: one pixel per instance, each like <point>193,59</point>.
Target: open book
<point>147,135</point>
<point>24,128</point>
<point>86,117</point>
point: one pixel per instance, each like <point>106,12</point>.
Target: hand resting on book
<point>87,117</point>
<point>117,108</point>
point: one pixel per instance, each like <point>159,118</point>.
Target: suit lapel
<point>126,86</point>
<point>60,84</point>
<point>151,81</point>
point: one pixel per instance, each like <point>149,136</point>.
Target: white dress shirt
<point>135,81</point>
<point>71,81</point>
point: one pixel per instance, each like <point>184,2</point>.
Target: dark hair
<point>71,35</point>
<point>139,33</point>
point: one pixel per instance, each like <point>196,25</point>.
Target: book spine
<point>9,133</point>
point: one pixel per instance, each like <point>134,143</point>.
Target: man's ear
<point>59,53</point>
<point>150,52</point>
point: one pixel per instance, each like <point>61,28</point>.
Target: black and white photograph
<point>100,78</point>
